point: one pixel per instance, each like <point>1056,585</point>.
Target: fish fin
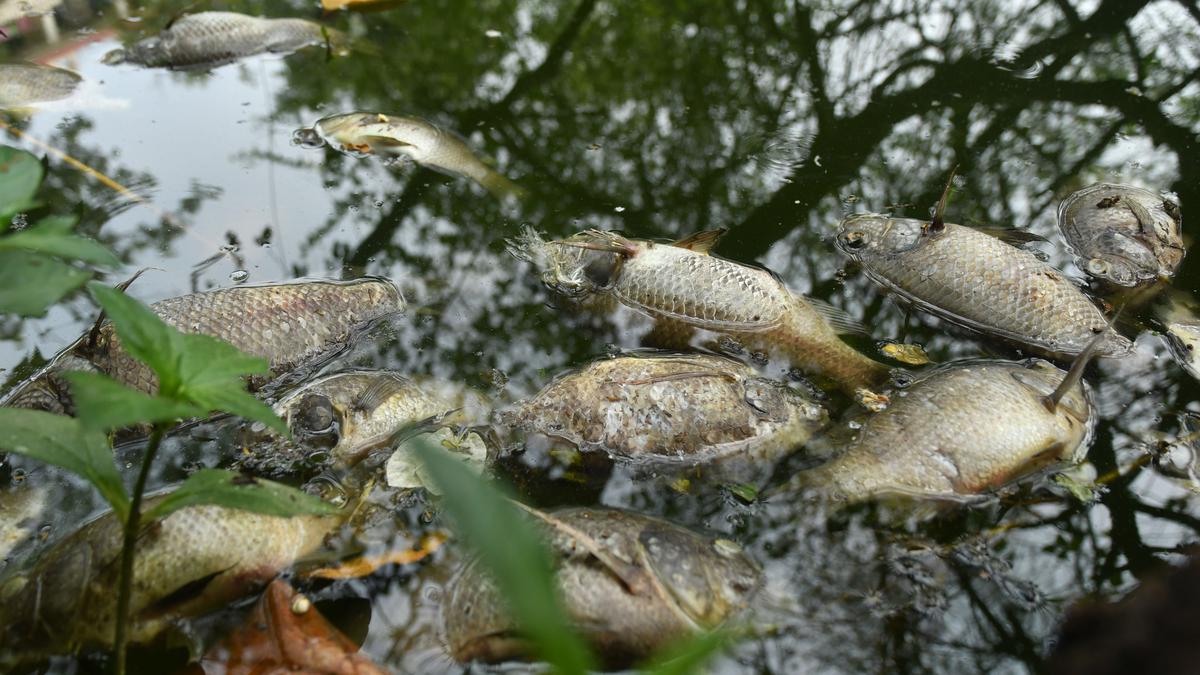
<point>1142,214</point>
<point>185,593</point>
<point>1011,235</point>
<point>1075,374</point>
<point>631,576</point>
<point>669,335</point>
<point>701,242</point>
<point>837,318</point>
<point>500,186</point>
<point>938,223</point>
<point>181,13</point>
<point>381,390</point>
<point>608,241</point>
<point>385,141</point>
<point>94,333</point>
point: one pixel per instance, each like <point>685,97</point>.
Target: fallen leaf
<point>285,634</point>
<point>367,564</point>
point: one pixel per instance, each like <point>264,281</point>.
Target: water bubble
<point>492,33</point>
<point>619,209</point>
<point>238,276</point>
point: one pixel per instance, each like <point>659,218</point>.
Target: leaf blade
<point>30,283</point>
<point>232,490</point>
<point>54,236</point>
<point>104,403</point>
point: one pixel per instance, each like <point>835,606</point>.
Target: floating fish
<point>211,39</point>
<point>364,133</point>
<point>631,584</point>
<point>21,509</point>
<point>345,415</point>
<point>678,407</point>
<point>961,430</point>
<point>23,84</point>
<point>191,562</point>
<point>1181,329</point>
<point>977,281</point>
<point>1123,234</point>
<point>685,289</point>
<point>286,323</point>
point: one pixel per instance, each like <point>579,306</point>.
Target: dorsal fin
<point>1011,235</point>
<point>381,389</point>
<point>1145,220</point>
<point>837,318</point>
<point>94,333</point>
<point>938,223</point>
<point>1075,374</point>
<point>701,242</point>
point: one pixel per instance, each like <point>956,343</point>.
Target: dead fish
<point>977,281</point>
<point>678,407</point>
<point>1181,329</point>
<point>963,429</point>
<point>23,84</point>
<point>1122,234</point>
<point>195,560</point>
<point>345,415</point>
<point>21,510</point>
<point>211,39</point>
<point>286,323</point>
<point>684,289</point>
<point>630,583</point>
<point>361,134</point>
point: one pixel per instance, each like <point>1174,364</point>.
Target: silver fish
<point>1180,317</point>
<point>630,583</point>
<point>962,429</point>
<point>361,134</point>
<point>681,407</point>
<point>286,323</point>
<point>211,39</point>
<point>1123,234</point>
<point>977,281</point>
<point>684,289</point>
<point>193,561</point>
<point>22,84</point>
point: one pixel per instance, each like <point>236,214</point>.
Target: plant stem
<point>132,524</point>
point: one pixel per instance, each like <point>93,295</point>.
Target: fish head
<point>1124,260</point>
<point>866,236</point>
<point>707,579</point>
<point>580,265</point>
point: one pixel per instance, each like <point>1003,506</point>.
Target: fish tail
<point>825,354</point>
<point>501,187</point>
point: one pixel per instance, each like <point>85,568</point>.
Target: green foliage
<point>35,269</point>
<point>193,370</point>
<point>104,403</point>
<point>237,491</point>
<point>689,655</point>
<point>67,443</point>
<point>511,549</point>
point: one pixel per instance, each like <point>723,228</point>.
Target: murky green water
<point>661,119</point>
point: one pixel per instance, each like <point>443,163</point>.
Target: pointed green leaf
<point>54,236</point>
<point>688,656</point>
<point>514,553</point>
<point>63,441</point>
<point>238,491</point>
<point>104,403</point>
<point>143,334</point>
<point>29,283</point>
<point>231,397</point>
<point>207,360</point>
<point>20,175</point>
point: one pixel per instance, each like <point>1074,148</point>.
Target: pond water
<point>661,119</point>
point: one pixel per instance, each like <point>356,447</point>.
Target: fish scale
<point>975,280</point>
<point>958,431</point>
<point>26,83</point>
<point>286,324</point>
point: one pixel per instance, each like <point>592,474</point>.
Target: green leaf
<point>20,175</point>
<point>29,283</point>
<point>514,553</point>
<point>65,442</point>
<point>143,334</point>
<point>207,360</point>
<point>231,397</point>
<point>238,491</point>
<point>745,492</point>
<point>54,236</point>
<point>104,403</point>
<point>688,656</point>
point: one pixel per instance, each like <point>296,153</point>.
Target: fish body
<point>287,324</point>
<point>670,407</point>
<point>630,585</point>
<point>193,561</point>
<point>346,415</point>
<point>210,39</point>
<point>23,84</point>
<point>1181,330</point>
<point>365,133</point>
<point>959,431</point>
<point>684,289</point>
<point>977,281</point>
<point>21,510</point>
<point>1122,234</point>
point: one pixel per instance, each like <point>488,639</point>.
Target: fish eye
<point>854,239</point>
<point>316,414</point>
<point>307,138</point>
<point>1097,266</point>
